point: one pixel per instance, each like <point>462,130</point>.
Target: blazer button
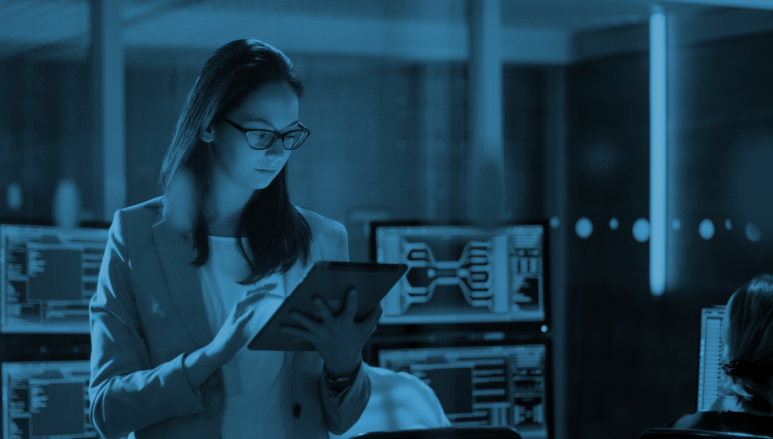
<point>297,410</point>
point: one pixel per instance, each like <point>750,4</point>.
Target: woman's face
<point>273,106</point>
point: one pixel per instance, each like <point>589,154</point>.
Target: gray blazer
<point>148,312</point>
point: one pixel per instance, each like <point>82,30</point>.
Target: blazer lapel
<point>183,281</point>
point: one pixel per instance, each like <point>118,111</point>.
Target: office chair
<point>678,433</point>
<point>445,433</point>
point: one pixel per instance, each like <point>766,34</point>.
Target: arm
<point>127,393</point>
<point>343,407</point>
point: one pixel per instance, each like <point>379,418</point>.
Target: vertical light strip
<point>657,152</point>
<point>107,63</point>
<point>485,171</point>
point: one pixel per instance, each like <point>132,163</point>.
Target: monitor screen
<point>710,362</point>
<point>482,385</point>
<point>48,400</point>
<point>464,274</point>
<point>47,277</point>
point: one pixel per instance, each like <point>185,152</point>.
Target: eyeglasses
<point>263,139</point>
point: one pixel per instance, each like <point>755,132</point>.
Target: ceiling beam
<point>749,4</point>
<point>419,40</point>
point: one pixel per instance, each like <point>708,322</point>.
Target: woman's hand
<point>232,335</point>
<point>338,339</point>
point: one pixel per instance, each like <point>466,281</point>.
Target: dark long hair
<point>278,235</point>
<point>750,339</point>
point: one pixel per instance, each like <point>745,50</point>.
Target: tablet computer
<point>329,280</point>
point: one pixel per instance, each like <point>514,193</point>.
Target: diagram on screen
<point>464,274</point>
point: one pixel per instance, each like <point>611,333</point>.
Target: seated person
<point>398,401</point>
<point>747,330</point>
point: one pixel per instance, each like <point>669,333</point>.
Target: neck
<point>224,203</point>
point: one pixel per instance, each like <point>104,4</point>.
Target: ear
<point>209,134</point>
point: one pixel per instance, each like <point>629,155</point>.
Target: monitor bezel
<point>533,327</point>
<point>47,222</point>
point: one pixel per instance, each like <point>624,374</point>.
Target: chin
<point>259,184</point>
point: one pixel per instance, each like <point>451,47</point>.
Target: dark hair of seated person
<point>747,331</point>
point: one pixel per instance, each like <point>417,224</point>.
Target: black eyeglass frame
<point>280,136</point>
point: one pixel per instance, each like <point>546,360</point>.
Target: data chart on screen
<point>463,274</point>
<point>710,372</point>
<point>482,386</point>
<point>47,277</point>
<point>46,400</point>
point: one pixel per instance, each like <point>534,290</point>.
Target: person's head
<point>747,331</point>
<point>235,164</point>
<point>252,85</point>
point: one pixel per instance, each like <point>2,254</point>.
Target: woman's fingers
<point>300,334</point>
<point>308,324</point>
<point>265,288</point>
<point>250,299</point>
<point>351,305</point>
<point>324,310</point>
<point>294,331</point>
<point>374,315</point>
<point>241,321</point>
<point>246,316</point>
<point>371,320</point>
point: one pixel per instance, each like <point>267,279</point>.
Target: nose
<point>276,150</point>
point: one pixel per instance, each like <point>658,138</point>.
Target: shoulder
<point>738,422</point>
<point>136,220</point>
<point>152,206</point>
<point>320,225</point>
<point>697,420</point>
<point>146,213</point>
<point>392,380</point>
<point>408,398</point>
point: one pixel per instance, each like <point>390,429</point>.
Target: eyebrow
<point>267,122</point>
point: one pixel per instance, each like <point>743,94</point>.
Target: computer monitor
<point>464,274</point>
<point>46,399</point>
<point>47,277</point>
<point>501,385</point>
<point>710,361</point>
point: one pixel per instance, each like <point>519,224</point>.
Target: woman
<point>747,330</point>
<point>187,279</point>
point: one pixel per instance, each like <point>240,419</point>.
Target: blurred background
<point>407,100</point>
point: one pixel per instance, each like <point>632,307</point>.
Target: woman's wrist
<point>199,366</point>
<point>342,381</point>
<point>346,369</point>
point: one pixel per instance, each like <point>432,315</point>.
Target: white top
<point>252,380</point>
<point>398,401</point>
